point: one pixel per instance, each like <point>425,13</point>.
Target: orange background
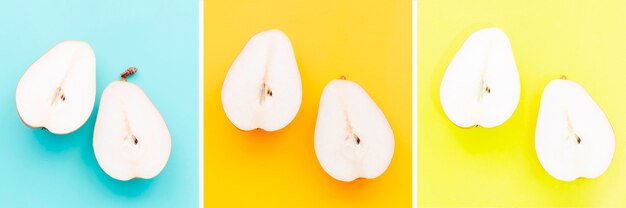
<point>367,41</point>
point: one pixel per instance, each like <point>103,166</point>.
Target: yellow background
<point>585,40</point>
<point>367,41</point>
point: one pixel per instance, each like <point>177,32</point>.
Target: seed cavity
<point>264,93</point>
<point>354,138</point>
<point>130,137</point>
<point>135,140</point>
<point>572,133</point>
<point>352,135</point>
<point>57,95</point>
<point>484,89</point>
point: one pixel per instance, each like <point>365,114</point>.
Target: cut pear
<point>130,139</point>
<point>262,89</point>
<point>58,91</point>
<point>353,139</point>
<point>481,86</point>
<point>573,137</point>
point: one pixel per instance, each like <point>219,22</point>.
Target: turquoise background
<point>160,38</point>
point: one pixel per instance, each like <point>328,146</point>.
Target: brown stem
<point>342,77</point>
<point>130,71</point>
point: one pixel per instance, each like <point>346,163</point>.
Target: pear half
<point>481,86</point>
<point>130,139</point>
<point>262,89</point>
<point>573,137</point>
<point>58,91</point>
<point>353,139</point>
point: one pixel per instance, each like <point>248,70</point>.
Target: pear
<point>262,89</point>
<point>353,138</point>
<point>130,139</point>
<point>573,137</point>
<point>481,86</point>
<point>58,91</point>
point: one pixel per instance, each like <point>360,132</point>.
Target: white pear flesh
<point>481,86</point>
<point>262,89</point>
<point>573,137</point>
<point>58,91</point>
<point>131,139</point>
<point>353,138</point>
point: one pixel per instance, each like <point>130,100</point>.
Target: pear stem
<point>342,77</point>
<point>130,71</point>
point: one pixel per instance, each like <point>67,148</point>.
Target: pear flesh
<point>481,86</point>
<point>263,89</point>
<point>353,138</point>
<point>58,91</point>
<point>573,137</point>
<point>131,138</point>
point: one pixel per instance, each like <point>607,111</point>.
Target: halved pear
<point>353,139</point>
<point>481,86</point>
<point>262,89</point>
<point>58,91</point>
<point>573,137</point>
<point>130,139</point>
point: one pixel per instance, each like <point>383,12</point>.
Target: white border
<point>201,103</point>
<point>414,100</point>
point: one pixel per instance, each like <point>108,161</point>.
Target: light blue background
<point>160,38</point>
